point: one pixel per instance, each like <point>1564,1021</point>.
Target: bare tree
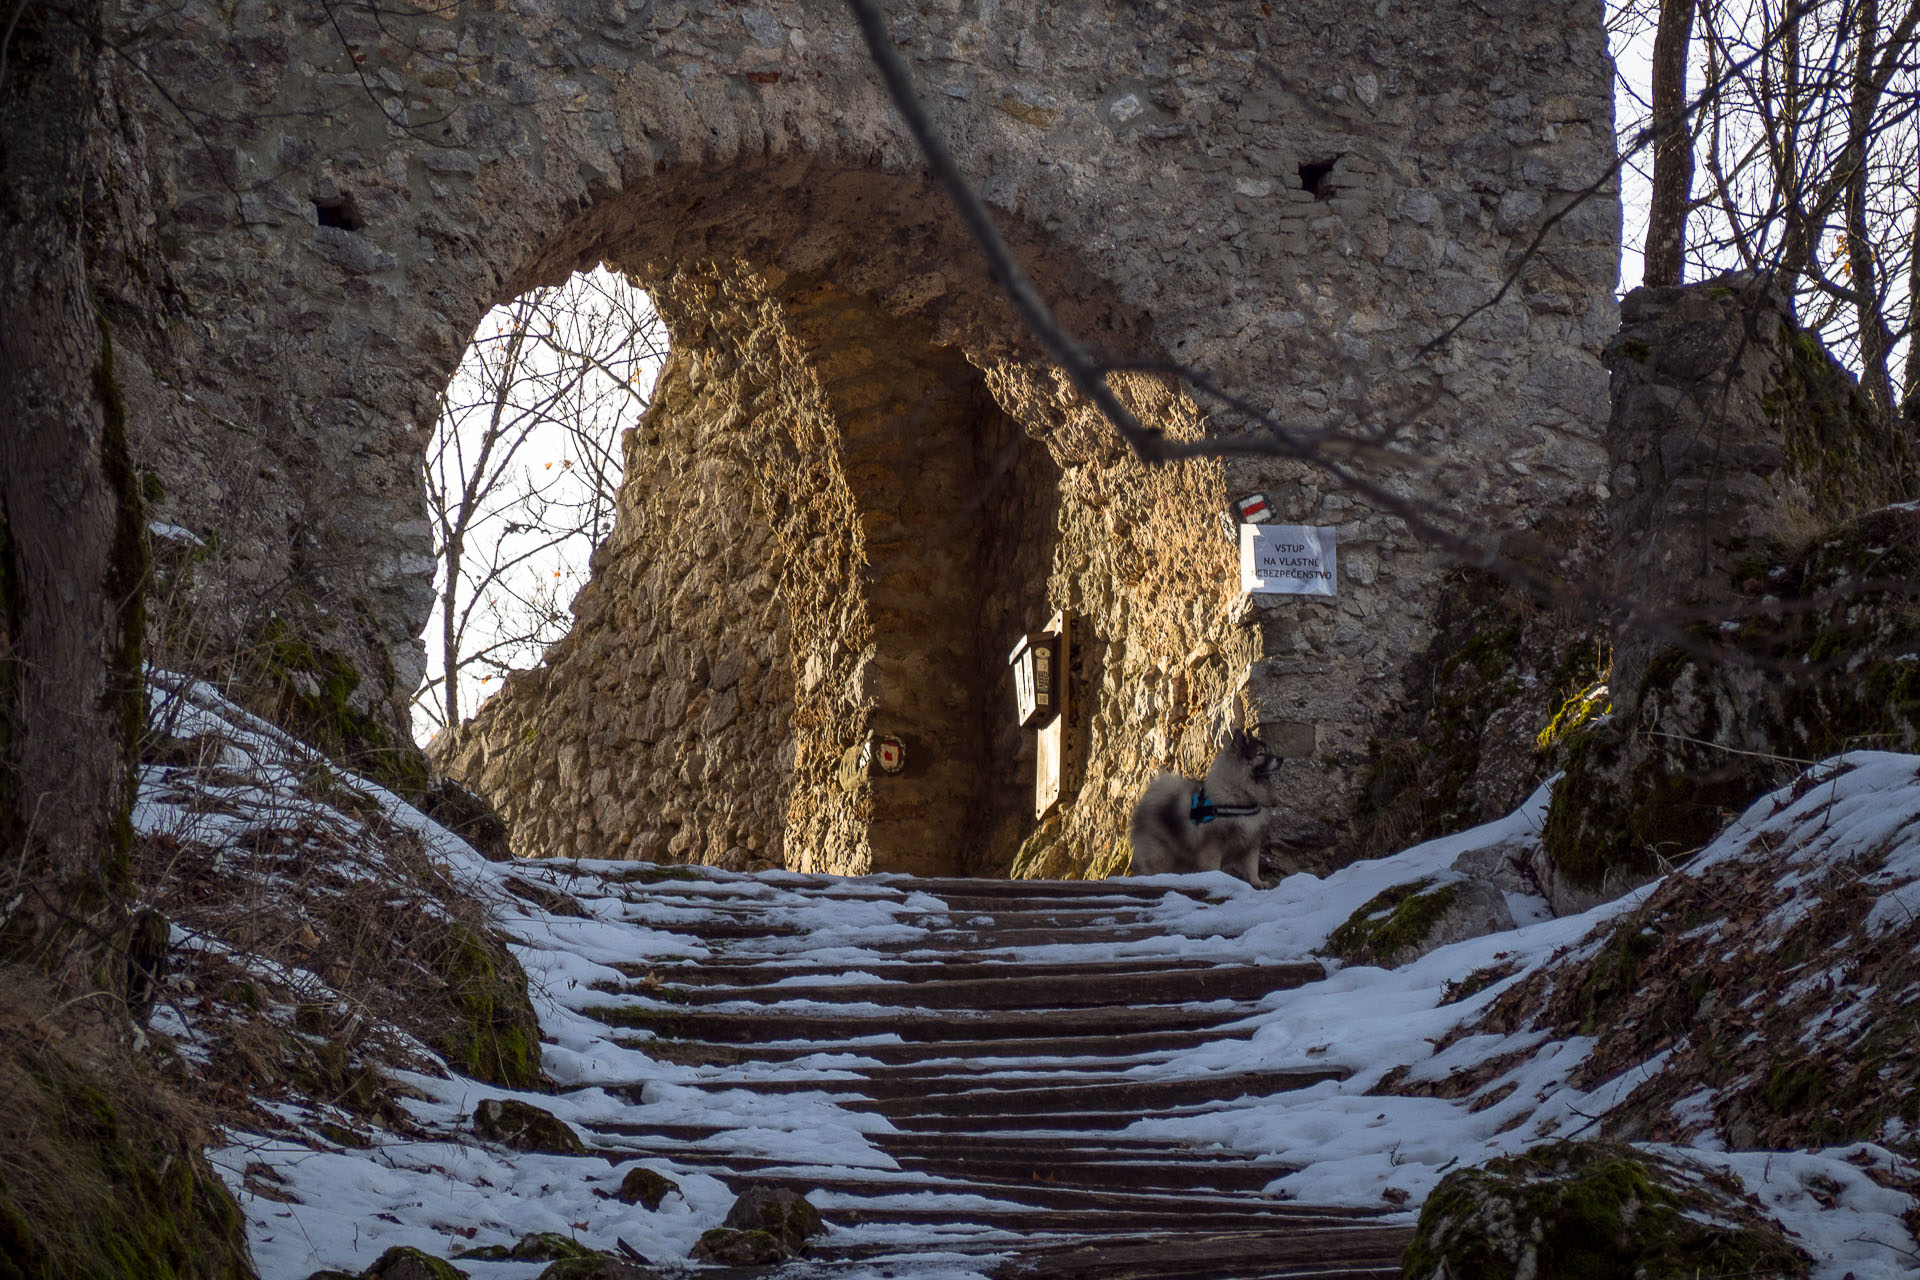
<point>1809,121</point>
<point>524,470</point>
<point>1672,146</point>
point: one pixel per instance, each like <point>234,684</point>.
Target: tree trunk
<point>1876,340</point>
<point>1910,392</point>
<point>449,629</point>
<point>1672,145</point>
<point>72,560</point>
<point>1796,247</point>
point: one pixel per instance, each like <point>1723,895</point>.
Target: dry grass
<point>323,945</point>
<point>103,1178</point>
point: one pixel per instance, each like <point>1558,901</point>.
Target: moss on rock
<point>403,1262</point>
<point>1402,923</point>
<point>729,1247</point>
<point>496,1036</point>
<point>1594,1211</point>
<point>469,817</point>
<point>645,1187</point>
<point>1465,750</point>
<point>1626,809</point>
<point>101,1179</point>
<point>525,1127</point>
<point>1818,660</point>
<point>765,1225</point>
<point>1392,921</point>
<point>309,690</point>
<point>1845,453</point>
<point>785,1215</point>
<point>599,1266</point>
<point>537,1246</point>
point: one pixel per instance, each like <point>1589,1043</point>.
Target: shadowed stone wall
<point>1295,201</point>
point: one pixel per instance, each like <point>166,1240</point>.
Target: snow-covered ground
<point>313,1202</point>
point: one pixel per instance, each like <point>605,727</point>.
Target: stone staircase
<point>995,1040</point>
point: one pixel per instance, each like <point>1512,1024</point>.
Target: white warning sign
<point>1288,559</point>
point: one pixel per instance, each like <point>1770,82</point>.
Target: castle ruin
<point>860,481</point>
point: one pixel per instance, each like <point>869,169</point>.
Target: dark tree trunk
<point>1910,390</point>
<point>1876,340</point>
<point>1672,145</point>
<point>72,561</point>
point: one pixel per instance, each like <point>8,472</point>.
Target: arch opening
<point>854,487</point>
<point>521,477</point>
<point>828,530</point>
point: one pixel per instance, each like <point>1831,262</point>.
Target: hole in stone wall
<point>338,211</point>
<point>522,474</point>
<point>1316,177</point>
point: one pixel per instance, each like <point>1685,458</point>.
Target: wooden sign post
<point>1053,762</point>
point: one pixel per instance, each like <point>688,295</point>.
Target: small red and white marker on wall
<point>1253,509</point>
<point>888,755</point>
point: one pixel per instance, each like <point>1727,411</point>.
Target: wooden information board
<point>1055,767</point>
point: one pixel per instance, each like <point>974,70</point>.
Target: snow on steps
<point>1152,1186</point>
<point>1025,1064</point>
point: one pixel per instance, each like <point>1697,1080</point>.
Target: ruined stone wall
<point>1296,201</point>
<point>1734,437</point>
<point>1763,547</point>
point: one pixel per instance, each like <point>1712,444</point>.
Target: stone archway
<point>828,531</point>
<point>355,186</point>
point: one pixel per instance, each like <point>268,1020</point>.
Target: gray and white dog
<point>1213,825</point>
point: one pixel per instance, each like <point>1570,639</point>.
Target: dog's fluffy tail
<point>1158,832</point>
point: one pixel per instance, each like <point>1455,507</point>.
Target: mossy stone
<point>1575,714</point>
<point>645,1187</point>
<point>1708,737</point>
<point>525,1127</point>
<point>308,690</point>
<point>785,1215</point>
<point>537,1246</point>
<point>403,1262</point>
<point>739,1248</point>
<point>1392,921</point>
<point>496,1036</point>
<point>600,1266</point>
<point>1594,1211</point>
<point>1837,445</point>
<point>1497,657</point>
<point>469,817</point>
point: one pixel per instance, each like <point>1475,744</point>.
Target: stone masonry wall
<point>1294,200</point>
